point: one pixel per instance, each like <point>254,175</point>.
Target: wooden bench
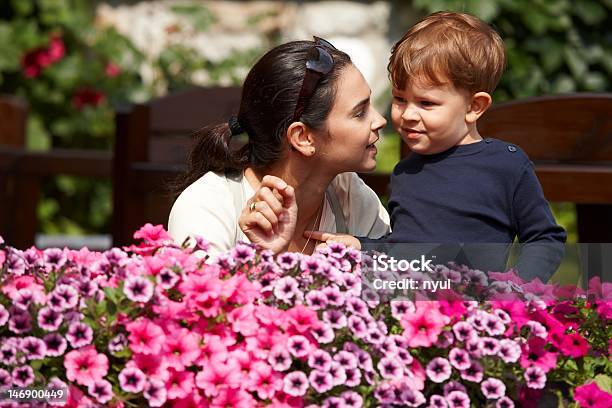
<point>569,139</point>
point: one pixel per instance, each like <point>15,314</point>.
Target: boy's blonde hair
<point>449,47</point>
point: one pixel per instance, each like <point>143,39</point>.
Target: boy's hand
<point>326,237</point>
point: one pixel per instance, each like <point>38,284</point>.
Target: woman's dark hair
<point>269,97</point>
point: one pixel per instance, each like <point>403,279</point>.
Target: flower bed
<point>155,325</point>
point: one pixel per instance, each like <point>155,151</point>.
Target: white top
<point>206,208</point>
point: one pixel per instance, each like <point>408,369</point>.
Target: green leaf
<point>575,62</point>
<point>604,382</point>
<point>111,308</point>
<point>590,12</point>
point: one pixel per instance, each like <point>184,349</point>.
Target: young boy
<point>456,187</point>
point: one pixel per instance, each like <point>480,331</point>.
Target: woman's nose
<point>379,121</point>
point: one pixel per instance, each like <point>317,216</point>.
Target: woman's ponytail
<point>211,152</point>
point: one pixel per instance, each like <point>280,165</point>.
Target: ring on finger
<point>252,206</point>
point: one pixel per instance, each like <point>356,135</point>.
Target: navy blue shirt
<point>484,192</point>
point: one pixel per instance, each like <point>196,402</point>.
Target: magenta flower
<point>459,358</point>
<point>509,350</point>
<point>338,373</point>
<point>474,373</point>
<point>301,319</point>
<point>166,279</point>
<point>504,402</point>
<point>101,390</point>
<point>6,381</point>
<point>153,234</point>
<point>4,314</point>
<point>536,377</point>
<point>49,319</point>
<point>295,384</point>
<point>23,376</point>
<point>298,346</point>
<point>453,386</point>
<point>243,253</point>
<point>64,297</point>
<point>323,334</point>
<point>494,326</point>
<point>463,330</point>
<point>390,368</point>
<point>399,307</point>
<point>357,326</point>
<point>335,318</point>
<point>437,401</point>
<point>492,388</point>
<point>458,399</point>
<point>138,289</point>
<point>132,380</point>
<point>279,358</point>
<point>334,296</point>
<point>79,334</point>
<point>535,353</point>
<point>489,346</point>
<point>574,345</point>
<point>346,359</point>
<point>20,321</point>
<point>438,370</point>
<point>422,328</point>
<point>321,381</point>
<point>85,365</point>
<point>353,377</point>
<point>155,393</point>
<point>316,300</point>
<point>351,399</point>
<point>591,396</point>
<point>33,348</point>
<point>286,288</point>
<point>320,360</point>
<point>8,354</point>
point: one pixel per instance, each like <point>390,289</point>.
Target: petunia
<point>591,396</point>
<point>321,381</point>
<point>132,379</point>
<point>458,399</point>
<point>438,370</point>
<point>535,377</point>
<point>492,388</point>
<point>22,376</point>
<point>101,390</point>
<point>295,384</point>
<point>85,365</point>
<point>155,393</point>
<point>79,334</point>
<point>138,289</point>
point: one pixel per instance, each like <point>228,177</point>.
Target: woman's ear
<point>479,104</point>
<point>300,139</point>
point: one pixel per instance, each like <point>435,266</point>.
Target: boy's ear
<point>479,104</point>
<point>300,139</point>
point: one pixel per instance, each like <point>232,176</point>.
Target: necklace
<point>319,213</point>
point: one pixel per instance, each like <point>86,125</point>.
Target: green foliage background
<point>554,46</point>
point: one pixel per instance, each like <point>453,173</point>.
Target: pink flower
<point>182,348</point>
<point>301,319</point>
<point>154,366</point>
<point>233,398</point>
<point>180,384</point>
<point>591,396</point>
<point>535,354</point>
<point>87,96</point>
<point>574,345</point>
<point>153,234</point>
<point>243,320</point>
<point>295,383</point>
<point>85,365</point>
<point>264,381</point>
<point>217,374</point>
<point>145,336</point>
<point>112,70</point>
<point>422,327</point>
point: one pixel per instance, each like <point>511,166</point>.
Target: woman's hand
<point>325,237</point>
<point>270,216</point>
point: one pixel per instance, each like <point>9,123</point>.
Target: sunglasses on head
<point>319,63</point>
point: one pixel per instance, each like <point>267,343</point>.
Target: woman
<point>310,124</point>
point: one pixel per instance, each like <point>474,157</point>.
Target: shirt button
<point>488,140</point>
<point>512,149</point>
